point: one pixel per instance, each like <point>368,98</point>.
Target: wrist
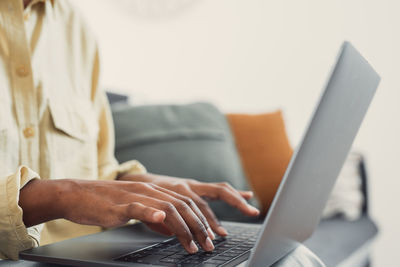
<point>60,196</point>
<point>42,201</point>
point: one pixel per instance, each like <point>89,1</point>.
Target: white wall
<point>256,56</point>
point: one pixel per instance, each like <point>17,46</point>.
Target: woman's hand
<point>195,190</point>
<point>113,203</point>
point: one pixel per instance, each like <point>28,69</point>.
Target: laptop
<point>294,213</point>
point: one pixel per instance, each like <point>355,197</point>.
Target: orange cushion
<point>264,150</point>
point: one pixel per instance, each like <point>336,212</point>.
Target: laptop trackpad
<point>101,246</point>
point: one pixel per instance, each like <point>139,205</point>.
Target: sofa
<point>196,141</point>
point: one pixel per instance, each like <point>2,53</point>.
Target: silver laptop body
<point>296,209</point>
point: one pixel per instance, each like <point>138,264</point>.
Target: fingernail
<point>209,244</point>
<point>253,209</point>
<point>158,215</point>
<point>210,233</point>
<point>193,248</point>
<point>222,231</point>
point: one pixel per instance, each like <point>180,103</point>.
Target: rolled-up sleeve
<point>14,236</point>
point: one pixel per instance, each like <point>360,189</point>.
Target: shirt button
<point>27,16</point>
<point>22,71</point>
<point>29,132</point>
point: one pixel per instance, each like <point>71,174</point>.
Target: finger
<point>224,192</point>
<point>196,226</point>
<point>177,225</point>
<point>173,220</point>
<point>187,196</point>
<point>209,214</point>
<point>233,190</point>
<point>141,212</point>
<point>211,220</point>
<point>246,194</point>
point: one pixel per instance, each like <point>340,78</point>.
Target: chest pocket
<point>73,139</point>
<point>74,119</point>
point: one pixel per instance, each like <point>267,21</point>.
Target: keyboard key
<point>171,253</point>
<point>192,262</point>
<point>169,260</point>
<point>231,254</point>
<point>226,245</point>
<point>164,253</point>
<point>247,247</point>
<point>183,253</point>
<point>222,258</point>
<point>172,250</point>
<point>207,255</point>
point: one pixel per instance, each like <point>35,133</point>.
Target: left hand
<point>195,190</point>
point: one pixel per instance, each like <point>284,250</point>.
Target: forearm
<point>41,201</point>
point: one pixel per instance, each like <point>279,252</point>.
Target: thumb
<point>136,210</point>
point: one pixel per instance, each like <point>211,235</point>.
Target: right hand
<point>114,203</point>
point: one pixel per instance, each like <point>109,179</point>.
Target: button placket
<point>29,132</point>
<point>27,15</point>
<point>24,93</point>
<point>22,71</point>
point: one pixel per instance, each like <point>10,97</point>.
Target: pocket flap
<point>71,119</point>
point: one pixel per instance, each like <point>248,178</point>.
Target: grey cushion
<point>191,141</point>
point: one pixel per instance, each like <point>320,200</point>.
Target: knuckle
<point>143,185</point>
<point>181,205</point>
<point>203,231</point>
<point>223,190</point>
<point>186,199</point>
<point>134,206</point>
<point>239,204</point>
<point>168,207</point>
<point>147,211</point>
<point>151,185</point>
<point>191,182</point>
<point>190,202</point>
<point>226,184</point>
<point>200,228</point>
<point>181,186</point>
<point>202,204</point>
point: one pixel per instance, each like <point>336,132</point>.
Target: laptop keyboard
<point>170,253</point>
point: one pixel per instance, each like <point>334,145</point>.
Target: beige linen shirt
<point>54,121</point>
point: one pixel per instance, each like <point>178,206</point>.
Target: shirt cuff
<point>112,171</point>
<point>14,236</point>
<point>132,167</point>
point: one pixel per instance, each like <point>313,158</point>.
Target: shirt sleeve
<point>14,236</point>
<point>108,167</point>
